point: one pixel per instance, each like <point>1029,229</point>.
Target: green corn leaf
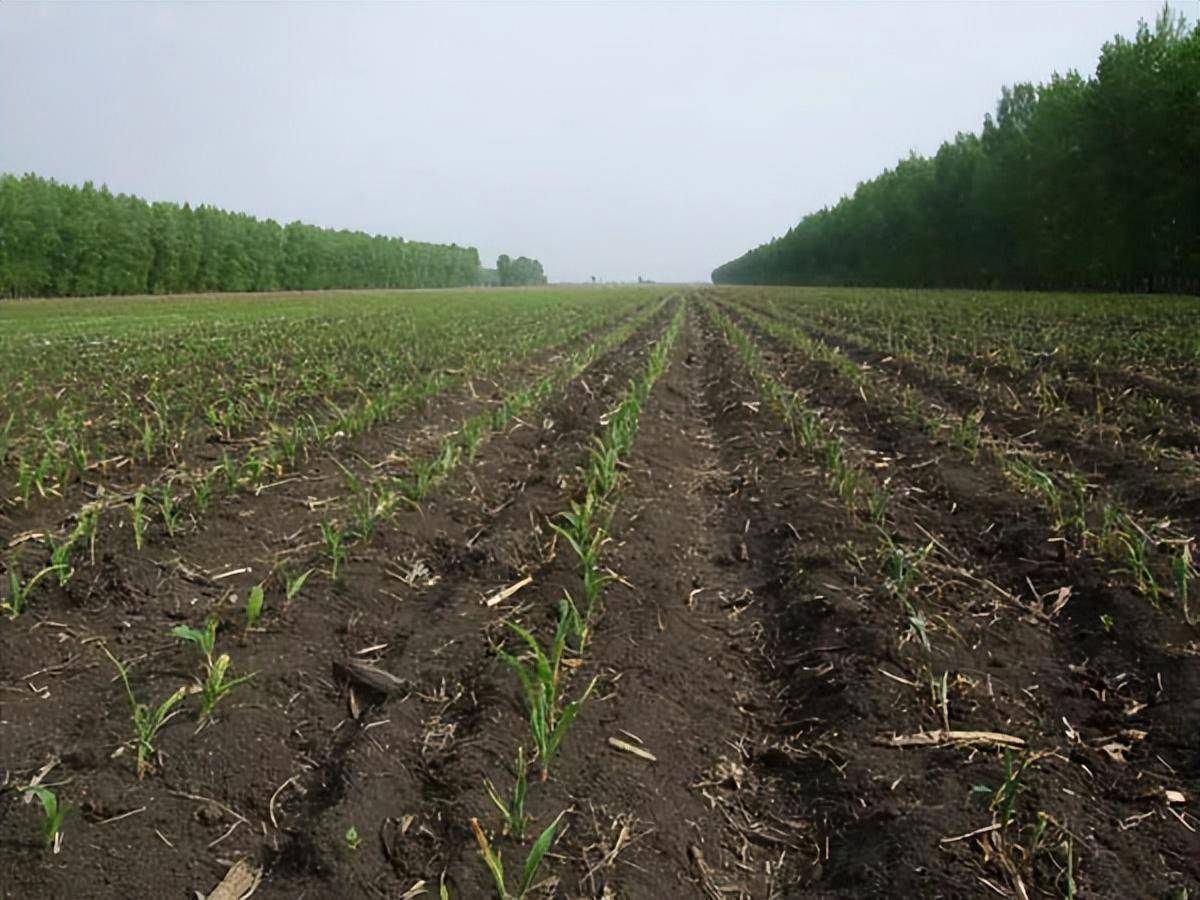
<point>254,605</point>
<point>537,852</point>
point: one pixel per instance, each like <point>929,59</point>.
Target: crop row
<point>912,575</point>
<point>152,393</point>
<point>1147,416</point>
<point>372,497</point>
<point>1158,559</point>
<point>551,717</point>
<point>1156,336</point>
<point>541,668</point>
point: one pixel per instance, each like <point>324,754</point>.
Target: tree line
<point>61,240</point>
<point>519,271</point>
<point>1075,184</point>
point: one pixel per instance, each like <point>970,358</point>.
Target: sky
<point>613,140</point>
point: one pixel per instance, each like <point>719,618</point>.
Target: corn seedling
<point>902,567</point>
<point>168,510</point>
<point>53,813</point>
<point>968,435</point>
<point>203,639</point>
<point>146,720</point>
<point>1183,571</point>
<point>88,526</point>
<point>1005,798</point>
<point>366,511</point>
<point>533,860</point>
<point>918,625</point>
<point>1137,545</point>
<point>1039,483</point>
<point>254,606</point>
<point>292,586</point>
<point>60,558</point>
<point>18,591</point>
<point>547,723</point>
<point>24,480</point>
<point>512,809</point>
<point>586,539</point>
<point>602,468</point>
<point>230,470</point>
<point>214,687</point>
<point>353,841</point>
<point>335,546</point>
<point>138,514</point>
<point>877,503</point>
<point>202,491</point>
<point>4,435</point>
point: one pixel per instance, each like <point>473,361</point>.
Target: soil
<point>750,646</point>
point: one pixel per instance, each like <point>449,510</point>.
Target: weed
<point>353,841</point>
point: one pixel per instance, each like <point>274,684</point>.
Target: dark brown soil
<point>751,646</point>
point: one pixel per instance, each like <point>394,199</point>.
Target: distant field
<point>854,592</point>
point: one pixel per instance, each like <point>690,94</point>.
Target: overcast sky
<point>607,139</point>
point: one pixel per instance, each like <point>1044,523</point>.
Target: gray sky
<point>608,139</point>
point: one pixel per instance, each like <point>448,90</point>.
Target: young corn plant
<point>1137,545</point>
<point>88,527</point>
<point>202,491</point>
<point>1005,798</point>
<point>5,432</point>
<point>138,515</point>
<point>1183,571</point>
<point>512,809</point>
<point>533,860</point>
<point>334,539</point>
<point>214,685</point>
<point>601,475</point>
<point>968,435</point>
<point>168,510</point>
<point>540,680</point>
<point>18,591</point>
<point>254,606</point>
<point>203,639</point>
<point>147,720</point>
<point>53,813</point>
<point>230,471</point>
<point>585,538</point>
<point>1039,483</point>
<point>293,585</point>
<point>60,557</point>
